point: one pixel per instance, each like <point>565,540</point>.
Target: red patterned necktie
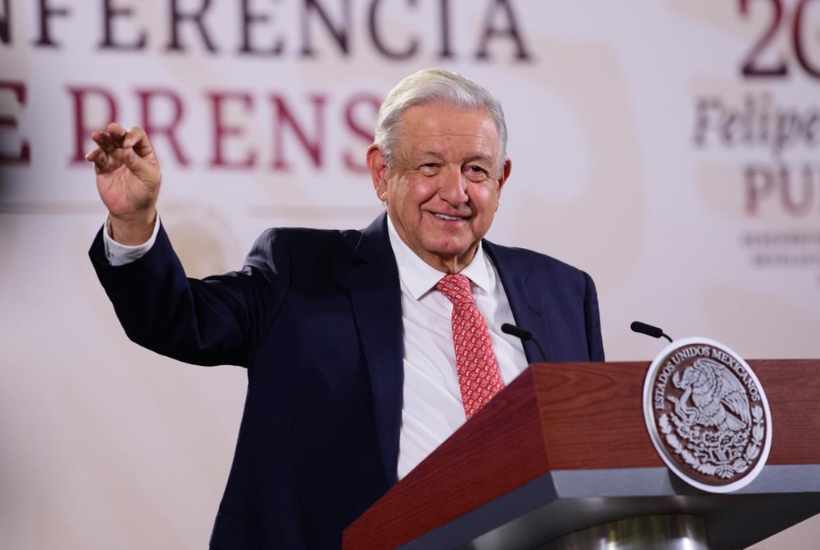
<point>478,375</point>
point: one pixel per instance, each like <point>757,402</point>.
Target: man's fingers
<point>137,139</point>
<point>140,167</point>
<point>99,158</point>
<point>129,147</point>
<point>92,156</point>
<point>116,137</point>
<point>117,133</point>
<point>104,140</point>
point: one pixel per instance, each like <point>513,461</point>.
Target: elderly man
<point>364,349</point>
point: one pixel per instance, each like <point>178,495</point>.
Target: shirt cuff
<point>121,254</point>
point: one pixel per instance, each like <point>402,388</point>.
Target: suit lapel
<point>375,293</point>
<point>526,300</point>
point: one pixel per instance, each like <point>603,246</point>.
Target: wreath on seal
<point>714,453</point>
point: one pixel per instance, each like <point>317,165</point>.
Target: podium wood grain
<point>569,416</point>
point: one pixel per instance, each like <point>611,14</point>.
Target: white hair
<point>436,86</point>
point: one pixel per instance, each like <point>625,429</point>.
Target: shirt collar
<point>419,277</point>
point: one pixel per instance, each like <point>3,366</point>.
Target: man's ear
<point>505,174</point>
<point>378,171</point>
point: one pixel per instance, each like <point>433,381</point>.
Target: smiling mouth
<point>449,218</point>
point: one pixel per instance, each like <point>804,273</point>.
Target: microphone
<point>649,330</point>
<point>524,335</point>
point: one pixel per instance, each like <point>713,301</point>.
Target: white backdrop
<point>667,147</point>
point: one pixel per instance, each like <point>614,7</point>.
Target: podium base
<point>671,532</point>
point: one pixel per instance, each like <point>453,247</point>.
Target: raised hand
<point>128,180</point>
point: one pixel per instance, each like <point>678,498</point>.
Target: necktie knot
<point>456,288</point>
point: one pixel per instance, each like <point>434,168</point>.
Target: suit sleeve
<point>214,321</point>
<point>592,320</point>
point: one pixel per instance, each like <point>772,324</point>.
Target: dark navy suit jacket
<point>315,316</point>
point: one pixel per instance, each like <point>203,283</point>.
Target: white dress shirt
<point>432,409</point>
<point>121,254</point>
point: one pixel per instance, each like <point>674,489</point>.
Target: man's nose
<point>454,186</point>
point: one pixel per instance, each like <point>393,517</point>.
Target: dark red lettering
<point>284,118</point>
<point>793,205</point>
<point>223,130</point>
<point>750,67</point>
<point>82,129</point>
<point>797,38</point>
<point>361,130</point>
<point>168,130</point>
<point>759,184</point>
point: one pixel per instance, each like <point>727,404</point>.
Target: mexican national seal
<point>707,415</point>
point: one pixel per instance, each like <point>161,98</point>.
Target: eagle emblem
<point>707,415</point>
<point>718,397</point>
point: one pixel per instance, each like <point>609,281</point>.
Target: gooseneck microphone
<point>643,328</point>
<point>524,335</point>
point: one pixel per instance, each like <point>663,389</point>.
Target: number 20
<point>751,66</point>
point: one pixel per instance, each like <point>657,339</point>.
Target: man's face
<point>443,189</point>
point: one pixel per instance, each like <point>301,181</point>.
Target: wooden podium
<point>564,448</point>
